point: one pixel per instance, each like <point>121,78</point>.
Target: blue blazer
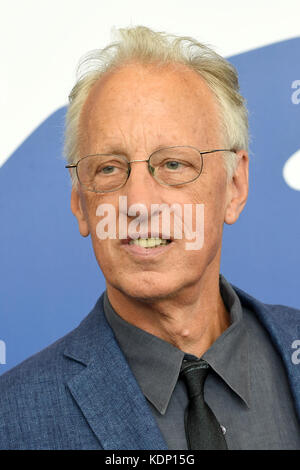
<point>79,393</point>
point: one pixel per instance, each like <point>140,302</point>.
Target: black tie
<point>201,426</point>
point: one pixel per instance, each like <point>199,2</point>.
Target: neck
<point>192,320</point>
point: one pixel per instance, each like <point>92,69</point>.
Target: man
<point>172,356</point>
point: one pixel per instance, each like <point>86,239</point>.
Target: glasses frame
<point>150,168</point>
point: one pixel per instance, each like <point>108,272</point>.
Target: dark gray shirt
<point>247,387</point>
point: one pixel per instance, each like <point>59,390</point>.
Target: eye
<point>173,165</point>
<point>107,170</point>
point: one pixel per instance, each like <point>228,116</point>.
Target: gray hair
<point>143,45</point>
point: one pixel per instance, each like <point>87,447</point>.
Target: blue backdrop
<point>49,277</point>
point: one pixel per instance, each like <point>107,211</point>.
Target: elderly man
<point>172,356</point>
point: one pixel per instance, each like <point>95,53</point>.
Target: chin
<point>149,288</point>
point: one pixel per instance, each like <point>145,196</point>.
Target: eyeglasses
<point>170,166</point>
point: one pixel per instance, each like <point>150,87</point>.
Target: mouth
<point>149,242</point>
<point>147,246</point>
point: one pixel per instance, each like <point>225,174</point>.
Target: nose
<point>141,187</point>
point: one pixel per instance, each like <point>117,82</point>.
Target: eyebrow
<point>110,150</point>
<point>118,150</point>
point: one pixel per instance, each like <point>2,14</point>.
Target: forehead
<point>170,102</point>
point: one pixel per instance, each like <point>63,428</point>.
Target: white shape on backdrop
<point>41,43</point>
<point>291,171</point>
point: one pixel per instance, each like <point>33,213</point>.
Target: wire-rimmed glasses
<point>170,166</point>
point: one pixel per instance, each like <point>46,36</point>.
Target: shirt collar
<point>156,363</point>
<point>228,356</point>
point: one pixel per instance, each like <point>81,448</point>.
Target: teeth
<point>149,242</point>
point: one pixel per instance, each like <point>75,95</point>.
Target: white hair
<point>142,45</point>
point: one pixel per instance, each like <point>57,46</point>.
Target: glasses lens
<point>102,173</point>
<point>176,165</point>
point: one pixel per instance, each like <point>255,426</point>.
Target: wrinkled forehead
<point>172,104</point>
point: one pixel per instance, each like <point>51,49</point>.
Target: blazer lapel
<point>106,390</point>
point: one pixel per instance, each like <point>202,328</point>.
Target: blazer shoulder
<point>51,361</point>
<point>32,379</point>
<point>38,366</point>
<point>34,397</point>
<point>278,309</point>
<point>282,314</point>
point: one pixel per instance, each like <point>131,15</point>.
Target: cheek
<point>209,191</point>
<point>216,202</point>
<point>213,198</point>
<point>92,203</point>
<point>103,248</point>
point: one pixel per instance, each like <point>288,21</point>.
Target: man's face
<point>133,112</point>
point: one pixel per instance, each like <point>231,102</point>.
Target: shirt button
<point>223,429</point>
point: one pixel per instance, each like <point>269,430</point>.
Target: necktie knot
<point>194,373</point>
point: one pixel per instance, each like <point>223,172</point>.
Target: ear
<point>77,207</point>
<point>237,189</point>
